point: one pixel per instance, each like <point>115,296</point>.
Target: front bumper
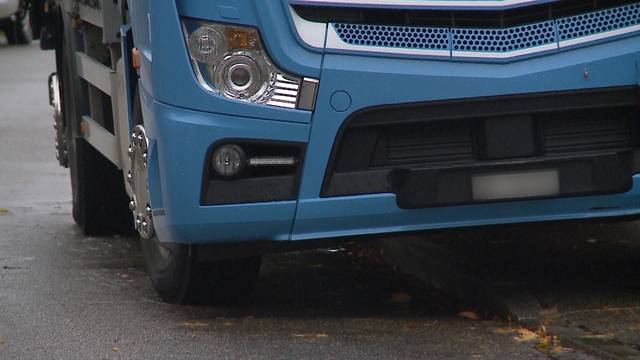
<point>183,122</point>
<point>180,138</point>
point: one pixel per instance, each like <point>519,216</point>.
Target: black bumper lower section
<point>256,183</point>
<point>428,154</point>
<point>580,176</point>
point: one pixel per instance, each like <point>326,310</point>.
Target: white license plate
<point>515,185</point>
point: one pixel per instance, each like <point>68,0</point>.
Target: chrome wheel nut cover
<point>137,179</point>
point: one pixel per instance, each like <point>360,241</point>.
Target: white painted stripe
<point>425,3</point>
<point>283,85</point>
<point>334,42</point>
<point>284,98</point>
<point>312,33</point>
<point>281,104</point>
<point>284,92</point>
<point>599,36</point>
<point>503,55</point>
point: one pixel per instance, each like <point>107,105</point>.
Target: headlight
<point>231,61</point>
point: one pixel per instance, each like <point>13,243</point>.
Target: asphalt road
<point>66,296</point>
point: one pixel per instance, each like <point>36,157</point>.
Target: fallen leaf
<point>400,297</point>
<point>195,324</point>
<point>561,349</point>
<point>505,331</point>
<point>310,335</point>
<point>526,335</point>
<point>543,344</point>
<point>4,211</point>
<point>469,315</point>
<point>598,336</point>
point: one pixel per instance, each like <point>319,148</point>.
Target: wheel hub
<point>137,178</point>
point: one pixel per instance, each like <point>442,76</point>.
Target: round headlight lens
<point>240,76</point>
<point>243,75</point>
<point>206,45</point>
<point>229,160</point>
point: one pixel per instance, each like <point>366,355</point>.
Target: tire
<point>179,278</point>
<point>100,202</point>
<point>20,32</point>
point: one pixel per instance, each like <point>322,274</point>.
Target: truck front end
<point>294,120</point>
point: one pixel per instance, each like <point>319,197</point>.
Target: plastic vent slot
<point>598,22</point>
<point>504,40</point>
<point>408,37</point>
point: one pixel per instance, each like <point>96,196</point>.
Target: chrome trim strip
<point>425,4</point>
<point>312,33</point>
<point>503,55</point>
<point>599,36</point>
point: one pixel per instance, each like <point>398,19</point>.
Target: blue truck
<point>223,130</point>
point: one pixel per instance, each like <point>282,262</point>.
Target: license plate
<point>515,185</point>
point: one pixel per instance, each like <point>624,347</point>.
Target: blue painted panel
<point>140,20</point>
<point>180,139</point>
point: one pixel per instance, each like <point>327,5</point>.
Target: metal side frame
<point>109,80</point>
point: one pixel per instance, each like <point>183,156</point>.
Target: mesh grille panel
<point>490,40</point>
<point>409,37</point>
<point>503,40</point>
<point>599,21</point>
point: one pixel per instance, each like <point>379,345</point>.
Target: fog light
<point>229,160</point>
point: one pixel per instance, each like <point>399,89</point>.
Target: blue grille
<point>598,22</point>
<point>409,37</point>
<point>504,40</point>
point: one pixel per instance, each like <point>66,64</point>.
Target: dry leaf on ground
<point>469,315</point>
<point>503,331</point>
<point>195,324</point>
<point>310,335</point>
<point>526,335</point>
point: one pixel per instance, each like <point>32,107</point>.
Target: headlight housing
<point>231,61</point>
